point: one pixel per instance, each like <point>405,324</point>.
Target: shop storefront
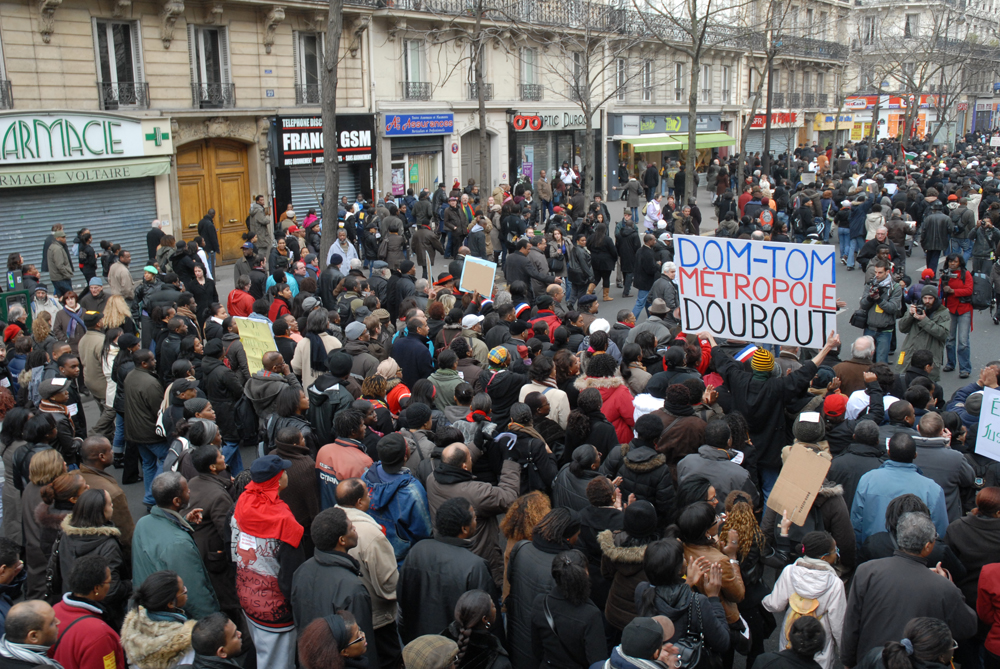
<point>545,139</point>
<point>784,133</point>
<point>891,120</point>
<point>108,172</point>
<point>983,120</point>
<point>416,144</point>
<point>298,160</point>
<point>832,129</point>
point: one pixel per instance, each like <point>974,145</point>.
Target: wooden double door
<point>214,174</point>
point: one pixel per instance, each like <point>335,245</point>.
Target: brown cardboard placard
<point>477,275</point>
<point>798,484</point>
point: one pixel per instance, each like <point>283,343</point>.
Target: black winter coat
<point>603,256</point>
<point>578,640</point>
<point>848,468</point>
<point>570,490</point>
<point>785,659</point>
<point>628,243</point>
<point>436,573</point>
<point>78,542</point>
<point>538,467</point>
<point>503,388</point>
<point>483,649</point>
<point>621,563</point>
<point>644,473</point>
<point>602,436</point>
<point>684,607</point>
<point>529,572</point>
<point>646,270</point>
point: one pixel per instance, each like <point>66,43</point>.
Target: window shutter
<point>137,51</point>
<point>97,52</point>
<point>295,58</point>
<point>224,54</point>
<point>192,54</point>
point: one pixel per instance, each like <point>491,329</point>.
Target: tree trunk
<point>485,186</point>
<point>588,157</point>
<point>690,169</point>
<point>331,186</point>
<point>741,162</point>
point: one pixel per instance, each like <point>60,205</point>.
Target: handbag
<point>691,645</point>
<point>859,319</point>
<point>557,264</point>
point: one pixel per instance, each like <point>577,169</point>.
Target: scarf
<point>51,407</point>
<point>467,213</point>
<point>261,513</point>
<point>185,311</point>
<point>317,352</point>
<point>678,410</point>
<point>527,430</point>
<point>74,320</point>
<point>26,652</point>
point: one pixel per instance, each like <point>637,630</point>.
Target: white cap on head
<point>600,324</point>
<point>471,320</point>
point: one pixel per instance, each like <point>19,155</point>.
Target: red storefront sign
<point>778,119</point>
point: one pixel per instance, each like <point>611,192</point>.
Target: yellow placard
<point>257,340</point>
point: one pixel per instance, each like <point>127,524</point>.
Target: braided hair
<point>740,517</point>
<point>472,610</point>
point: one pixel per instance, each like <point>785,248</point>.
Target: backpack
<point>344,309</point>
<point>982,292</point>
<point>799,607</point>
<point>246,421</point>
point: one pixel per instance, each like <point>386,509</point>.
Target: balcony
<point>6,98</point>
<point>487,92</point>
<point>417,90</point>
<point>307,94</point>
<point>123,95</point>
<point>575,93</point>
<point>808,99</point>
<point>822,99</point>
<point>213,96</point>
<point>531,92</point>
<point>777,100</point>
<point>679,95</point>
<point>794,100</point>
<point>706,95</point>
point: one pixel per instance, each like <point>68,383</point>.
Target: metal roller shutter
<point>755,142</point>
<point>308,182</point>
<point>117,211</point>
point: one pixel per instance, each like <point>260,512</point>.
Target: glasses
<point>361,637</point>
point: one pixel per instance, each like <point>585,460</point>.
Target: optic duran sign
<point>56,137</point>
<point>300,139</point>
<point>765,292</point>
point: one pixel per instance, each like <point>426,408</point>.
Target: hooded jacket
<point>399,505</point>
<point>222,388</point>
<point>812,579</point>
<point>848,467</point>
<point>78,542</point>
<point>570,490</point>
<point>377,561</point>
<point>948,468</point>
<point>644,473</point>
<point>880,486</point>
<point>617,403</point>
<point>622,565</point>
<point>262,390</point>
<point>715,464</point>
<point>678,603</point>
<point>829,513</point>
<point>156,640</point>
<point>929,333</point>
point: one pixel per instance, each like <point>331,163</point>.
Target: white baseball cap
<point>471,320</point>
<point>600,324</point>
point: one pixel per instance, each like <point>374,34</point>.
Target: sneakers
<point>947,368</point>
<point>963,375</point>
<point>843,260</point>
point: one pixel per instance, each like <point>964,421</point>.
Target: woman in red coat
<point>956,293</point>
<point>602,373</point>
<point>282,302</point>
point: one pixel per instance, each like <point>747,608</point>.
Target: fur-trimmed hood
<point>598,382</point>
<point>830,489</point>
<point>106,531</point>
<point>642,458</point>
<point>621,555</point>
<point>154,645</point>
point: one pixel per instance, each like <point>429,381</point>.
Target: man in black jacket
<point>646,272</point>
<point>650,180</point>
<point>207,231</point>
<point>222,388</point>
<point>520,268</point>
<point>438,571</point>
<point>143,396</point>
<point>863,455</point>
<point>330,581</point>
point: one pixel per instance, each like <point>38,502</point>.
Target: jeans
<point>856,244</point>
<point>768,477</point>
<point>882,341</point>
<point>62,287</point>
<point>640,302</point>
<point>568,287</point>
<point>231,452</point>
<point>546,209</point>
<point>635,214</point>
<point>152,464</point>
<point>663,187</point>
<point>118,445</point>
<point>211,261</point>
<point>449,252</point>
<point>627,283</point>
<point>963,246</point>
<point>845,241</point>
<point>960,326</point>
<point>932,259</point>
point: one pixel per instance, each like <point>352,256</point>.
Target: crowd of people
<point>444,479</point>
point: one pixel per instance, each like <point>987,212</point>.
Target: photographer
<point>926,327</point>
<point>883,300</point>
<point>963,231</point>
<point>985,241</point>
<point>956,288</point>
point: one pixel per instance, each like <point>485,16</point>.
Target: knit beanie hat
<point>762,361</point>
<point>809,427</point>
<point>417,415</point>
<point>639,519</point>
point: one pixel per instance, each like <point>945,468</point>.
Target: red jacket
<point>962,289</point>
<point>278,309</point>
<point>988,604</point>
<point>240,303</point>
<point>742,200</point>
<point>618,403</point>
<point>550,318</point>
<point>91,643</point>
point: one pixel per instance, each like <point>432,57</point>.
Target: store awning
<point>706,140</point>
<point>59,174</point>
<point>653,143</point>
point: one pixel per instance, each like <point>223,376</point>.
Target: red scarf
<point>477,412</point>
<point>263,514</point>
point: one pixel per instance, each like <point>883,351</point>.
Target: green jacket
<point>164,540</point>
<point>929,333</point>
<point>445,381</point>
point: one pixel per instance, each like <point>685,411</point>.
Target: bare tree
<point>331,169</point>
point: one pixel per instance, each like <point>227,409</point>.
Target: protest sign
<point>766,292</point>
<point>988,437</point>
<point>257,340</point>
<point>477,275</point>
<point>798,484</point>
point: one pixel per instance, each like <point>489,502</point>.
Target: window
<point>727,80</point>
<point>908,71</point>
<point>820,83</point>
<point>867,77</point>
<point>809,21</point>
<point>807,83</point>
<point>706,83</point>
<point>621,77</point>
<point>791,81</point>
<point>308,53</point>
<point>647,81</point>
<point>824,18</point>
<point>414,86</point>
<point>578,75</point>
<point>868,30</point>
<point>529,66</point>
<point>678,82</point>
<point>793,20</point>
<point>911,26</point>
<point>119,65</point>
<point>211,81</point>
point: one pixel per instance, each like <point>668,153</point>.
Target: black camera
<point>919,310</point>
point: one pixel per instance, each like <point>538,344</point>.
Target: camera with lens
<point>919,310</point>
<point>874,293</point>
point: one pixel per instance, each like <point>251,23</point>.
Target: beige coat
<point>378,565</point>
<point>120,281</point>
<point>300,360</point>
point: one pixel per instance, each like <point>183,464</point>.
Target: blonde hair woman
<point>118,315</point>
<point>41,331</point>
